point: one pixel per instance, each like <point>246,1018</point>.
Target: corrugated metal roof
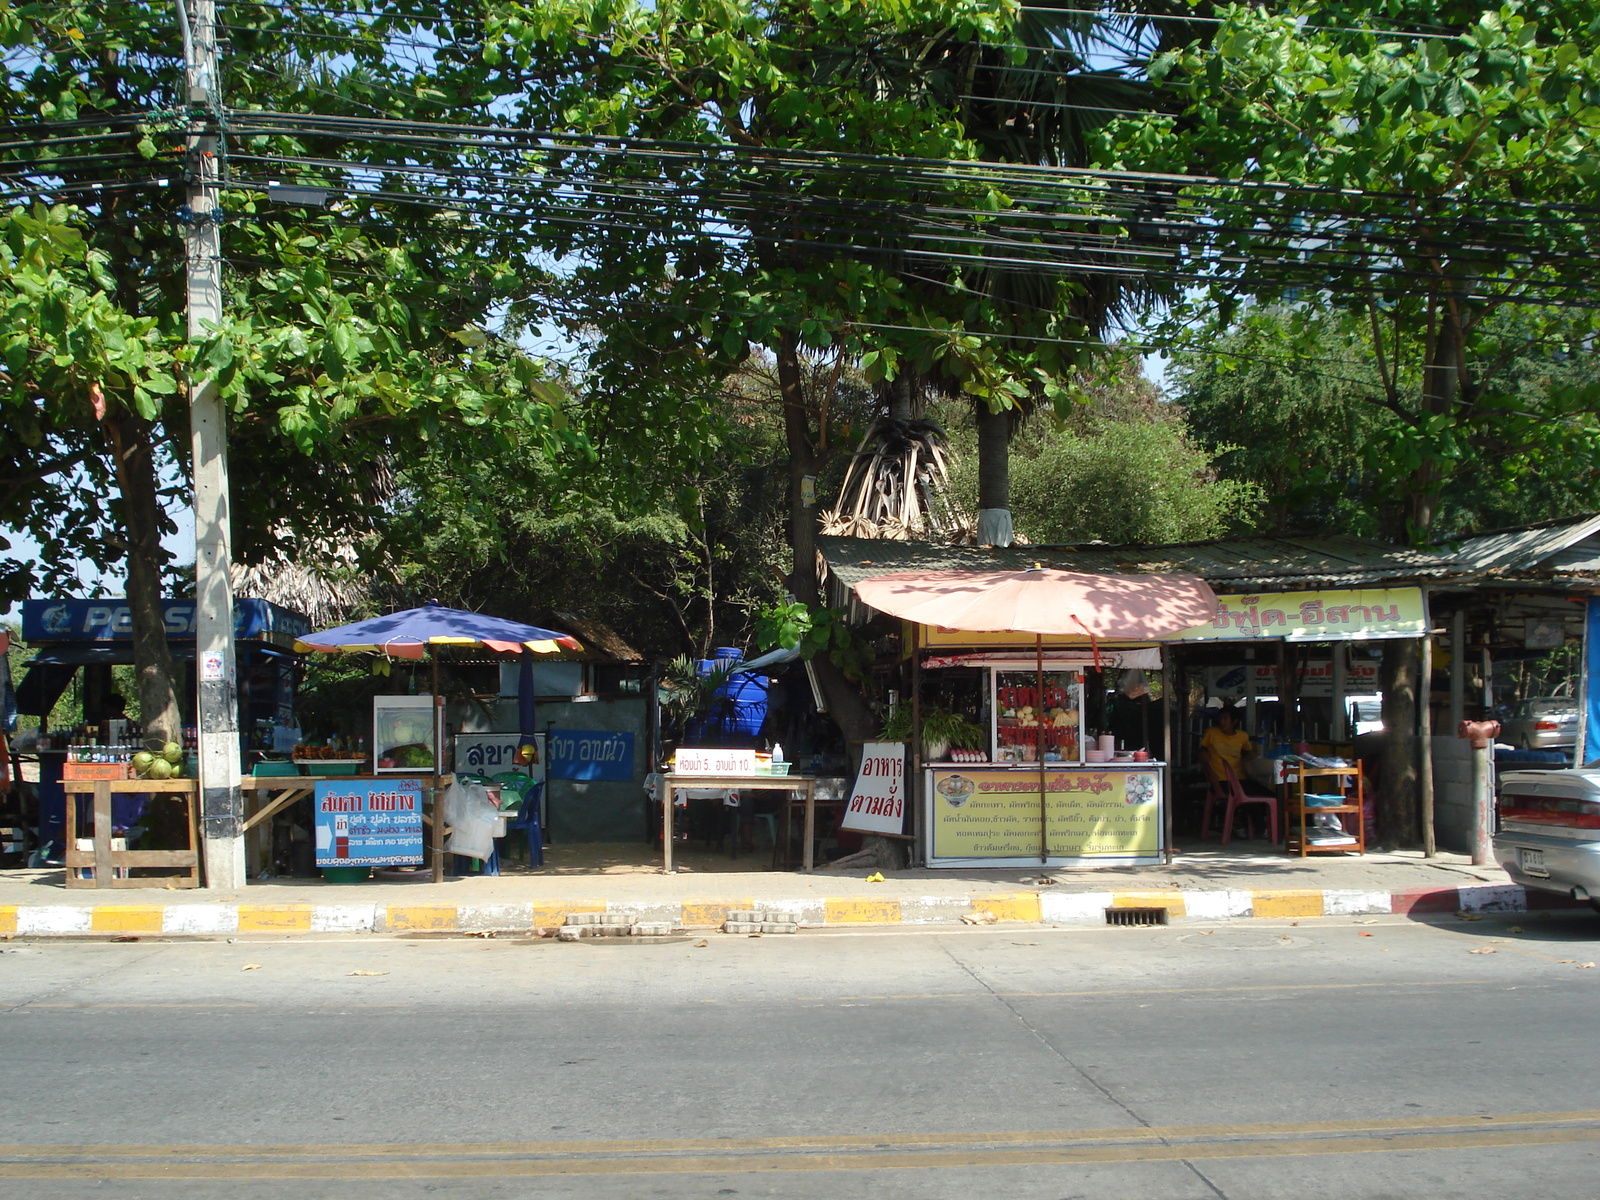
<point>1529,546</point>
<point>1233,565</point>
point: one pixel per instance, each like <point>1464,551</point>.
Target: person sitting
<point>1226,745</point>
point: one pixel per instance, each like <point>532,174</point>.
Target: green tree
<point>1120,468</point>
<point>352,332</point>
<point>1422,170</point>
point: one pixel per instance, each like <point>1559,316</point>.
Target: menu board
<point>1087,813</point>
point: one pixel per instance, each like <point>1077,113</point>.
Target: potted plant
<point>942,731</point>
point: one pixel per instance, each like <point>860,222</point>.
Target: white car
<point>1549,835</point>
<point>1542,723</point>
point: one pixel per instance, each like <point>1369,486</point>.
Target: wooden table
<point>671,785</point>
<point>105,860</point>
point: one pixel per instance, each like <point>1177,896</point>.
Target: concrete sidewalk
<point>1208,884</point>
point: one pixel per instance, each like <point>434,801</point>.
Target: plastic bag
<point>470,816</point>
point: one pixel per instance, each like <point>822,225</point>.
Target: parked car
<point>1549,821</point>
<point>1542,723</point>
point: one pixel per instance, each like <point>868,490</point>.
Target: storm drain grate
<point>1136,916</point>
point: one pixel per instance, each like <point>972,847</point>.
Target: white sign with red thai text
<point>714,762</point>
<point>878,801</point>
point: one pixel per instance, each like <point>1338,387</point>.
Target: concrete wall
<point>1452,794</point>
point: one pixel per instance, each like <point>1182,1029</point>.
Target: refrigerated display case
<point>1028,724</point>
<point>405,736</point>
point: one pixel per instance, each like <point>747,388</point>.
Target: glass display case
<point>403,734</point>
<point>1028,724</point>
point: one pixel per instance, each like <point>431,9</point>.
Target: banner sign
<point>491,753</point>
<point>111,620</point>
<point>1365,614</point>
<point>1261,679</point>
<point>1324,616</point>
<point>590,754</point>
<point>878,801</point>
<point>368,822</point>
<point>699,761</point>
<point>995,814</point>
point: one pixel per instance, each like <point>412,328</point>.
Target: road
<point>1323,1058</point>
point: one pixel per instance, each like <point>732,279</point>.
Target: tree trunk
<point>1398,800</point>
<point>846,705</point>
<point>141,518</point>
<point>994,474</point>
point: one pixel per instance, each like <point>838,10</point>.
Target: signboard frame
<point>383,816</point>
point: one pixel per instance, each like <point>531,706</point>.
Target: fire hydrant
<point>1481,735</point>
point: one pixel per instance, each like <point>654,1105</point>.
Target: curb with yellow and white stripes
<point>1048,908</point>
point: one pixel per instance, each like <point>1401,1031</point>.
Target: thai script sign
<point>591,754</point>
<point>1368,613</point>
<point>491,753</point>
<point>1261,679</point>
<point>700,761</point>
<point>368,822</point>
<point>1086,814</point>
<point>878,801</point>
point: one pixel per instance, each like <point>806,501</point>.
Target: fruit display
<point>165,763</point>
<point>1034,722</point>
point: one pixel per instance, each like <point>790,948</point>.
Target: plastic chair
<point>527,820</point>
<point>1229,790</point>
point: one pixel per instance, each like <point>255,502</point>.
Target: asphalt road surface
<point>1324,1058</point>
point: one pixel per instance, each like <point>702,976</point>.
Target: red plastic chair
<point>1231,791</point>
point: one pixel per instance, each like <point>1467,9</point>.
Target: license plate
<point>1532,863</point>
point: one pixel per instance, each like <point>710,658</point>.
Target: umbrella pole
<point>438,801</point>
<point>1044,812</point>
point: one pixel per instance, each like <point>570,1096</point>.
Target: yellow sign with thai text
<point>1367,613</point>
<point>988,813</point>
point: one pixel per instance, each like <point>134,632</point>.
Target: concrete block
<point>343,918</point>
<point>53,918</point>
<point>651,929</point>
<point>1074,908</point>
<point>200,918</point>
<point>779,927</point>
<point>1337,903</point>
<point>570,933</point>
<point>1219,905</point>
<point>1493,897</point>
<point>741,927</point>
<point>746,916</point>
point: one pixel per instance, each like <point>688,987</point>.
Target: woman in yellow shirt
<point>1225,744</point>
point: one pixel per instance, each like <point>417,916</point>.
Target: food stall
<point>1038,791</point>
<point>408,732</point>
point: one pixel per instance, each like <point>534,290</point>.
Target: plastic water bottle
<point>777,752</point>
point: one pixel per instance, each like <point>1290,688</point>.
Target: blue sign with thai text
<point>590,754</point>
<point>368,822</point>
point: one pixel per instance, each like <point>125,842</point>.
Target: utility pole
<point>221,801</point>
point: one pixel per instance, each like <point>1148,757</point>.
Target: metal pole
<point>1044,807</point>
<point>221,801</point>
<point>1482,804</point>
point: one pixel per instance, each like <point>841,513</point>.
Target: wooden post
<point>438,800</point>
<point>1341,716</point>
<point>808,856</point>
<point>920,827</point>
<point>1458,668</point>
<point>670,798</point>
<point>1169,707</point>
<point>1430,846</point>
<point>1044,811</point>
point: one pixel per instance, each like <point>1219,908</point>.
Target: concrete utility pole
<point>221,801</point>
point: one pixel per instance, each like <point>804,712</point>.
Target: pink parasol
<point>1044,601</point>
